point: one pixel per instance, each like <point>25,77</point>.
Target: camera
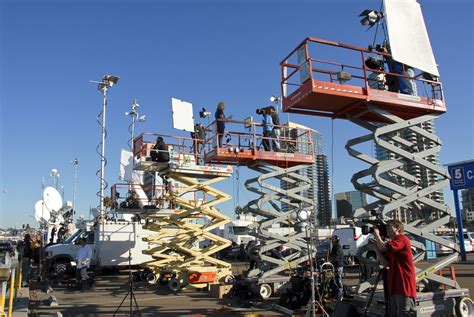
<point>262,111</point>
<point>371,224</point>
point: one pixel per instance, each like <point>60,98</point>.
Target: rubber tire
<point>265,291</point>
<point>229,280</point>
<point>464,307</point>
<point>151,278</point>
<point>60,269</point>
<point>174,284</point>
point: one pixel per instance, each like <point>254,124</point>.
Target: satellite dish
<point>52,199</point>
<point>42,214</point>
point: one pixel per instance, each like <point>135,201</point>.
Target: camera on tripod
<point>371,224</point>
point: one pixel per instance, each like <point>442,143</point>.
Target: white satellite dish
<point>183,117</point>
<point>42,214</point>
<point>52,199</point>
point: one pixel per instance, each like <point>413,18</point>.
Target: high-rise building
<point>318,174</point>
<point>347,202</point>
<point>467,199</point>
<point>425,176</point>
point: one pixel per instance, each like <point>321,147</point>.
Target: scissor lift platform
<point>314,86</point>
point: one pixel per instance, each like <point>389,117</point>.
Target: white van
<point>468,243</point>
<point>110,242</point>
<point>351,240</point>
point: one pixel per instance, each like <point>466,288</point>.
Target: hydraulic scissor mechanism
<point>405,184</point>
<point>184,242</point>
<point>283,212</point>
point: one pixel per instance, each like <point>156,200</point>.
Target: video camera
<point>377,223</point>
<point>262,111</point>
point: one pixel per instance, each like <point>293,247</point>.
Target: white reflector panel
<point>409,41</point>
<point>183,118</point>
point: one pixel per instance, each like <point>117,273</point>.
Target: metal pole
<point>12,292</point>
<point>460,226</point>
<point>102,152</point>
<point>132,132</point>
<point>75,162</point>
<point>3,295</point>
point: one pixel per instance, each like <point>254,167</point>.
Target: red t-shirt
<point>401,273</point>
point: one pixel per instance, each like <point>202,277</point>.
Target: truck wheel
<point>229,279</point>
<point>265,291</point>
<point>59,268</point>
<point>464,307</point>
<point>174,284</point>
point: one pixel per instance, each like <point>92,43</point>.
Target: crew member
<point>276,129</point>
<point>219,116</point>
<point>267,129</point>
<point>159,152</point>
<point>401,268</point>
<point>83,258</point>
<point>25,254</point>
<point>336,258</point>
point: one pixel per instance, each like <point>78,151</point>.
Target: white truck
<point>110,242</point>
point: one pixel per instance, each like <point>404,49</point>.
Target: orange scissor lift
<point>313,83</point>
<point>282,249</point>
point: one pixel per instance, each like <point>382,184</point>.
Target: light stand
<point>107,82</point>
<point>309,242</point>
<point>134,114</point>
<point>74,162</point>
<point>130,292</point>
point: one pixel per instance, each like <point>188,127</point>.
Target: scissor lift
<point>184,215</point>
<point>285,249</point>
<point>315,85</point>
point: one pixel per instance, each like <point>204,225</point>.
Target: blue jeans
<point>336,284</point>
<point>25,271</point>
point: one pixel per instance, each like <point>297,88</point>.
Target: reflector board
<point>409,41</point>
<point>183,118</point>
<point>126,165</point>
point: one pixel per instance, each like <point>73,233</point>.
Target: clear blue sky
<point>199,51</point>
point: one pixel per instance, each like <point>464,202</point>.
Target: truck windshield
<point>73,237</point>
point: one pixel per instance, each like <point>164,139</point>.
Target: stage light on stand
<point>370,17</point>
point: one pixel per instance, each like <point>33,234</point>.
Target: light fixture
<point>142,118</point>
<point>274,99</point>
<point>370,17</point>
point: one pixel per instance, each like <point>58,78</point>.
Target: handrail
<point>435,92</point>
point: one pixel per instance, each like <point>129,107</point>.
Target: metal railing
<point>308,61</point>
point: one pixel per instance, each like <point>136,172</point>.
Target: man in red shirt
<point>401,268</point>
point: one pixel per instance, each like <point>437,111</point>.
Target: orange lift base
<point>251,156</point>
<point>336,100</point>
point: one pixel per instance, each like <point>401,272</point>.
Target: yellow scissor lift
<point>177,255</point>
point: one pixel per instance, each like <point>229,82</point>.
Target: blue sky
<point>198,51</point>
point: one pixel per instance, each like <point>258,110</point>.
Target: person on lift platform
<point>159,152</point>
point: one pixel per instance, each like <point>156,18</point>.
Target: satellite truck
<point>110,242</point>
<point>110,239</point>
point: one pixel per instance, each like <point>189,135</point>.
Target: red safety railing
<point>327,61</point>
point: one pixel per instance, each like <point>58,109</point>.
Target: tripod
<point>130,292</point>
<point>380,276</point>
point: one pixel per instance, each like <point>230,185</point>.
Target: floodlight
<point>204,113</point>
<point>142,118</point>
<point>274,99</point>
<point>110,80</point>
<point>370,17</point>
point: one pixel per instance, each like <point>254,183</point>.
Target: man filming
<point>401,268</point>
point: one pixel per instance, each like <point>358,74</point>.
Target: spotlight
<point>370,17</point>
<point>142,118</point>
<point>204,113</point>
<point>274,99</point>
<point>110,80</point>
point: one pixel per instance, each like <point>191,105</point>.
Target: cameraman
<point>276,129</point>
<point>401,268</point>
<point>336,258</point>
<point>267,123</point>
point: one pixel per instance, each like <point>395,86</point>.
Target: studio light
<point>275,99</point>
<point>370,17</point>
